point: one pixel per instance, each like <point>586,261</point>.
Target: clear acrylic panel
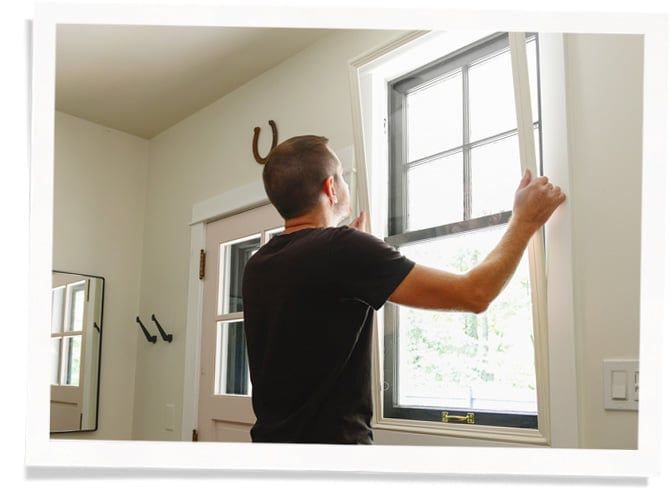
<point>532,65</point>
<point>57,309</point>
<point>434,118</point>
<point>538,151</point>
<point>72,355</point>
<point>495,175</point>
<point>491,97</point>
<point>435,192</point>
<point>55,359</point>
<point>233,258</point>
<point>462,360</point>
<point>232,367</point>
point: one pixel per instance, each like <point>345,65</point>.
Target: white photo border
<point>41,451</point>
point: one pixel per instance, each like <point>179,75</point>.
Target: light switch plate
<point>620,384</point>
<point>170,417</point>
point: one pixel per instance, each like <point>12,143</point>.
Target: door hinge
<point>201,273</point>
<point>194,435</point>
<point>384,125</point>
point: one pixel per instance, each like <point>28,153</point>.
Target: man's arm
<point>430,288</point>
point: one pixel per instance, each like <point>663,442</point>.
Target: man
<point>309,295</point>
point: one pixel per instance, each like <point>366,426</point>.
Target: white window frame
<point>554,323</point>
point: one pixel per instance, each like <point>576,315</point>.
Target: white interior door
<point>224,402</point>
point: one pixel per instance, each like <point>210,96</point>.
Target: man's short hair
<point>294,173</point>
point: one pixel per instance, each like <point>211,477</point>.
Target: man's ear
<point>329,189</point>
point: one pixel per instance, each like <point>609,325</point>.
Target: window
<point>67,320</point>
<point>232,365</point>
<point>454,167</point>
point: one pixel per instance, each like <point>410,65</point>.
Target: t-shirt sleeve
<point>367,268</point>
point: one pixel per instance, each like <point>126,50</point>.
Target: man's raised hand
<point>360,222</point>
<point>535,200</point>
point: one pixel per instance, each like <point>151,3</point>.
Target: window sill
<point>523,436</point>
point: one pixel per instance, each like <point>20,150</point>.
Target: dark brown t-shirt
<point>308,301</point>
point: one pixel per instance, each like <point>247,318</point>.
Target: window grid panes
<point>67,330</point>
<point>449,216</point>
<point>432,128</point>
<point>233,257</point>
<point>231,364</point>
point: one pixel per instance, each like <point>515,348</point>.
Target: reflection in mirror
<point>76,335</point>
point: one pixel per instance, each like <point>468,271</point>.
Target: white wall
<point>100,178</point>
<point>605,86</point>
<point>208,154</point>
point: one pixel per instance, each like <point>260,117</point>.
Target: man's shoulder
<point>349,232</point>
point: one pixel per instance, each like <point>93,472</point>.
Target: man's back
<point>308,299</point>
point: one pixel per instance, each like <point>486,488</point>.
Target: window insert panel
<point>453,170</point>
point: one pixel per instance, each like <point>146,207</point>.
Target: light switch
<point>618,385</point>
<point>170,417</point>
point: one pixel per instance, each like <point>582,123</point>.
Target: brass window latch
<point>468,419</point>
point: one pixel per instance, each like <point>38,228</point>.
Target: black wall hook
<point>166,337</point>
<point>150,338</point>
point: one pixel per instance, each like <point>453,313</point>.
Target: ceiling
<point>144,79</point>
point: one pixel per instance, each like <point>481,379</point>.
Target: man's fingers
<point>526,178</point>
<point>364,220</point>
<point>360,221</point>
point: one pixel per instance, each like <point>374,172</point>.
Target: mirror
<point>76,335</point>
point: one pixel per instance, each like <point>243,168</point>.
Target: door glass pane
<point>435,192</point>
<point>232,368</point>
<point>233,258</point>
<point>463,360</point>
<point>55,359</point>
<point>491,97</point>
<point>76,307</point>
<point>57,306</point>
<point>495,173</point>
<point>72,356</point>
<point>434,117</point>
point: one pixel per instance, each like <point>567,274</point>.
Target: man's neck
<point>303,222</point>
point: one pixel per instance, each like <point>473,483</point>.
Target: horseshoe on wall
<point>255,143</point>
